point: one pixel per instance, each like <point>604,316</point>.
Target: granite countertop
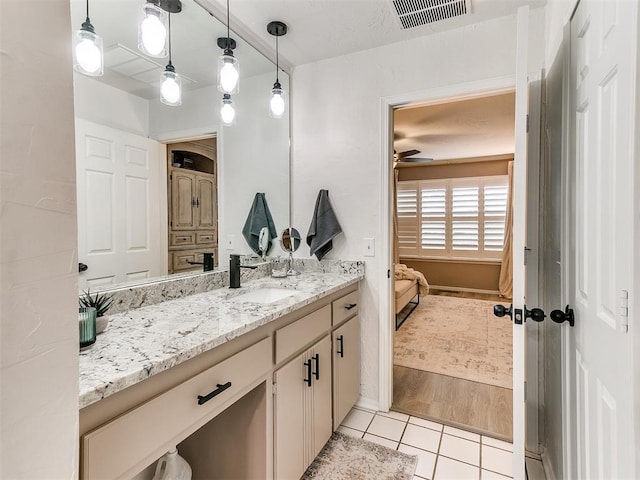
<point>145,341</point>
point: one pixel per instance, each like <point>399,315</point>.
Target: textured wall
<point>337,136</point>
<point>38,262</point>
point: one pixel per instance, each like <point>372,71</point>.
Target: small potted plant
<point>102,303</point>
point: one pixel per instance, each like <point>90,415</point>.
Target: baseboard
<point>548,471</point>
<point>367,404</point>
<point>447,288</point>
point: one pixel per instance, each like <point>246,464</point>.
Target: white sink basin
<point>265,295</point>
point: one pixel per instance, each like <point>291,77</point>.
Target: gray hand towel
<point>259,217</point>
<point>324,226</point>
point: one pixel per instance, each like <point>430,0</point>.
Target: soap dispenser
<point>172,466</point>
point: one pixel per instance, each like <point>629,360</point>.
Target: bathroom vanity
<point>248,383</point>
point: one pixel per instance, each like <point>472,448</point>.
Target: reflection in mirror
<point>159,186</point>
<point>290,242</point>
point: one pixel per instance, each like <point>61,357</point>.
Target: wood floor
<point>474,406</point>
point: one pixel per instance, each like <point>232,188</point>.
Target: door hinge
<point>171,176</point>
<point>526,254</point>
<point>275,387</point>
<point>624,311</point>
<point>525,390</point>
<point>527,123</point>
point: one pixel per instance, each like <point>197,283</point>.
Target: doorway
<point>451,354</point>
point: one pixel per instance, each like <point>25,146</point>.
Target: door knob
<point>559,316</point>
<point>535,314</point>
<point>82,267</point>
<point>501,310</point>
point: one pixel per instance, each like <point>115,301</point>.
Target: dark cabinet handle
<point>349,306</point>
<point>340,350</point>
<point>220,388</point>
<point>316,358</point>
<point>308,379</point>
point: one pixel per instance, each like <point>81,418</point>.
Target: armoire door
<point>206,210</point>
<point>183,200</point>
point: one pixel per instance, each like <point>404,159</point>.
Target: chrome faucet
<point>234,271</point>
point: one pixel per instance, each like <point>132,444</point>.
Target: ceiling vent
<point>413,13</point>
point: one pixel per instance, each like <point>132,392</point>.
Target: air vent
<point>413,13</point>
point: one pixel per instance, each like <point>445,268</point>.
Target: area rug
<point>349,458</point>
<point>459,337</point>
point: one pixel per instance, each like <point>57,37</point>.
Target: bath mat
<point>349,458</point>
<point>459,337</point>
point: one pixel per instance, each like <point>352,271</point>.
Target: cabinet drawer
<point>345,307</point>
<point>138,438</point>
<point>184,238</point>
<point>205,237</point>
<point>300,333</point>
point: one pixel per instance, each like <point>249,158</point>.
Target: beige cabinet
<point>193,218</point>
<point>302,410</point>
<point>346,369</point>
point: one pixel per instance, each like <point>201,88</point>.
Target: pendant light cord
<point>169,42</point>
<point>277,61</point>
<point>228,42</point>
<point>87,10</point>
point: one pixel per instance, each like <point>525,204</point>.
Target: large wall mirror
<point>159,186</point>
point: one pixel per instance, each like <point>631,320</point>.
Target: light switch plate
<point>231,242</point>
<point>369,247</point>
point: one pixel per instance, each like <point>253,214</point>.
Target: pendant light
<point>277,103</point>
<point>171,84</point>
<point>227,111</point>
<point>87,50</point>
<point>228,66</point>
<point>153,25</point>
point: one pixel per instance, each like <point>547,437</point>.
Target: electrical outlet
<point>369,247</point>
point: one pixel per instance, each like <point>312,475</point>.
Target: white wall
<point>255,153</point>
<point>337,136</point>
<point>38,262</point>
<point>101,103</point>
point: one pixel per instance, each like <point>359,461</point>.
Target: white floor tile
<point>497,460</point>
<point>358,419</point>
<point>426,423</point>
<point>421,437</point>
<point>350,431</point>
<point>426,460</point>
<point>493,442</point>
<point>386,427</point>
<point>385,442</point>
<point>395,415</point>
<point>448,469</point>
<point>462,433</point>
<point>487,475</point>
<point>460,449</point>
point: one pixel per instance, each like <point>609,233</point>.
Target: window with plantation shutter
<point>452,218</point>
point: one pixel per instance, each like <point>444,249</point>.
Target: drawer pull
<point>340,350</point>
<point>215,393</point>
<point>308,379</point>
<point>349,306</point>
<point>316,358</point>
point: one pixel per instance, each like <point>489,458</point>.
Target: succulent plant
<point>101,302</point>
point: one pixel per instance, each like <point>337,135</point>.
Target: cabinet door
<point>290,419</point>
<point>321,405</point>
<point>346,369</point>
<point>206,210</point>
<point>183,195</point>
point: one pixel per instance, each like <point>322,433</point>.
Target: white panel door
<point>600,372</point>
<point>119,223</point>
<point>519,193</point>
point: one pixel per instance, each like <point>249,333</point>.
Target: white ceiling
<point>320,29</point>
<point>470,128</point>
<point>194,48</point>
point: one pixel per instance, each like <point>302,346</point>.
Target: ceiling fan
<point>407,157</point>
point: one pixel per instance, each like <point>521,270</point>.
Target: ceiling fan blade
<point>406,153</point>
<point>415,160</point>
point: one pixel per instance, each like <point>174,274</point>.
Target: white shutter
<point>433,213</point>
<point>407,198</point>
<point>464,221</point>
<point>495,211</point>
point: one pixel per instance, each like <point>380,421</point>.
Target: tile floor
<point>444,453</point>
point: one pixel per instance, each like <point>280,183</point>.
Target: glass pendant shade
<point>171,87</point>
<point>87,51</point>
<point>228,73</point>
<point>227,111</point>
<point>277,102</point>
<point>152,30</point>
